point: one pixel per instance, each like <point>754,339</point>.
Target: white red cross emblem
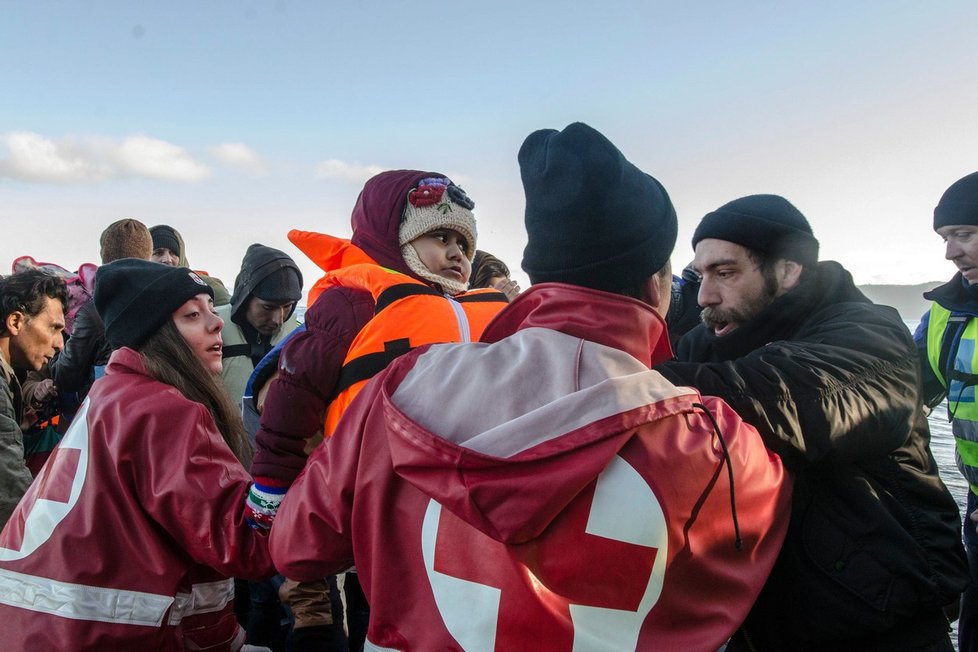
<point>604,562</point>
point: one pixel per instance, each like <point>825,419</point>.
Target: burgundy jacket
<point>543,489</point>
<point>129,536</point>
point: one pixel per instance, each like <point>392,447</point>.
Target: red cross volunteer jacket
<point>542,489</point>
<point>127,538</point>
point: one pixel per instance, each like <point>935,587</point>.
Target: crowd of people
<point>735,457</point>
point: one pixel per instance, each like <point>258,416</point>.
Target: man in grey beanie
<point>872,560</point>
<point>946,339</point>
<point>588,504</point>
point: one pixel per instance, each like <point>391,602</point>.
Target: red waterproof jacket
<point>543,489</point>
<point>127,538</point>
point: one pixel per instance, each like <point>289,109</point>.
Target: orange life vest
<point>408,314</point>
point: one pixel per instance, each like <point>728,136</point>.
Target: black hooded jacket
<point>832,383</point>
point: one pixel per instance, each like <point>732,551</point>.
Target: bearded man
<point>872,559</point>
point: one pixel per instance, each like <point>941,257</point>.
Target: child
<point>408,262</point>
<point>129,535</point>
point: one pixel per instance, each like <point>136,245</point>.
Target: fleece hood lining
<point>531,387</point>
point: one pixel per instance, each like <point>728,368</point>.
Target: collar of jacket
<point>13,389</point>
<point>610,319</point>
<point>126,360</point>
<point>830,284</point>
<point>957,295</point>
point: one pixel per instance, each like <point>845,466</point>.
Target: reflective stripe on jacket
<point>957,374</point>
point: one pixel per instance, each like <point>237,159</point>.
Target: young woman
<point>130,533</point>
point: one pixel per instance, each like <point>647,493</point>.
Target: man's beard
<point>753,305</point>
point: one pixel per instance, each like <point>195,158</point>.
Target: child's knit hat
<point>436,204</point>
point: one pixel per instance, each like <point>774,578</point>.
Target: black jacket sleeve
<point>72,368</point>
<point>846,384</point>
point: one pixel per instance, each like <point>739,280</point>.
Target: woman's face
<point>201,328</point>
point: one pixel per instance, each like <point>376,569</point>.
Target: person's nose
<point>707,295</point>
<point>952,249</point>
<point>278,316</point>
<point>216,322</point>
<point>455,251</point>
<point>59,341</point>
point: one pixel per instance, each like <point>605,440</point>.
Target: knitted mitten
<point>262,505</point>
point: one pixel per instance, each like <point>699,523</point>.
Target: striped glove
<point>262,505</point>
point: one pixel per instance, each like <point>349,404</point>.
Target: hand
<point>44,391</point>
<point>507,286</point>
<point>974,519</point>
<point>261,505</point>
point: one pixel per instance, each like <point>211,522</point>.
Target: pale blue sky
<point>235,121</point>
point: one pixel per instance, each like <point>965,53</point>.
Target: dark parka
<point>832,383</point>
<point>73,369</point>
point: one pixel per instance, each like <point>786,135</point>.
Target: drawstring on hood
<point>738,541</point>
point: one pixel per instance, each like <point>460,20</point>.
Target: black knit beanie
<point>135,297</point>
<point>767,224</point>
<point>959,203</point>
<point>164,237</point>
<point>592,218</point>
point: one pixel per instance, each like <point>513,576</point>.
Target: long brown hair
<point>170,360</point>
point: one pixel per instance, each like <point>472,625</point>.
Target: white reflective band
<point>81,602</point>
<point>464,333</point>
<point>370,647</point>
<point>205,598</point>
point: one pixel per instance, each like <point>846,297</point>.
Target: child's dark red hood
<point>377,216</point>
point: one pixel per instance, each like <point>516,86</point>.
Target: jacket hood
<point>329,253</point>
<point>610,319</point>
<point>377,215</point>
<point>259,262</point>
<point>221,295</point>
<point>509,471</point>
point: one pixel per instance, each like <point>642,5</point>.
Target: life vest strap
<point>483,297</point>
<point>235,350</point>
<point>369,365</point>
<point>400,291</point>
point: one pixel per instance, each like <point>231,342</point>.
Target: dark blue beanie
<point>767,224</point>
<point>592,218</point>
<point>959,203</point>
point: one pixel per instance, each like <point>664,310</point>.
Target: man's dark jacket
<point>73,368</point>
<point>832,383</point>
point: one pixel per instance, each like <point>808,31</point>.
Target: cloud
<point>32,157</point>
<point>240,156</point>
<point>336,169</point>
<point>36,159</point>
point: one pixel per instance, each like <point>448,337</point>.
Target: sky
<point>234,122</point>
